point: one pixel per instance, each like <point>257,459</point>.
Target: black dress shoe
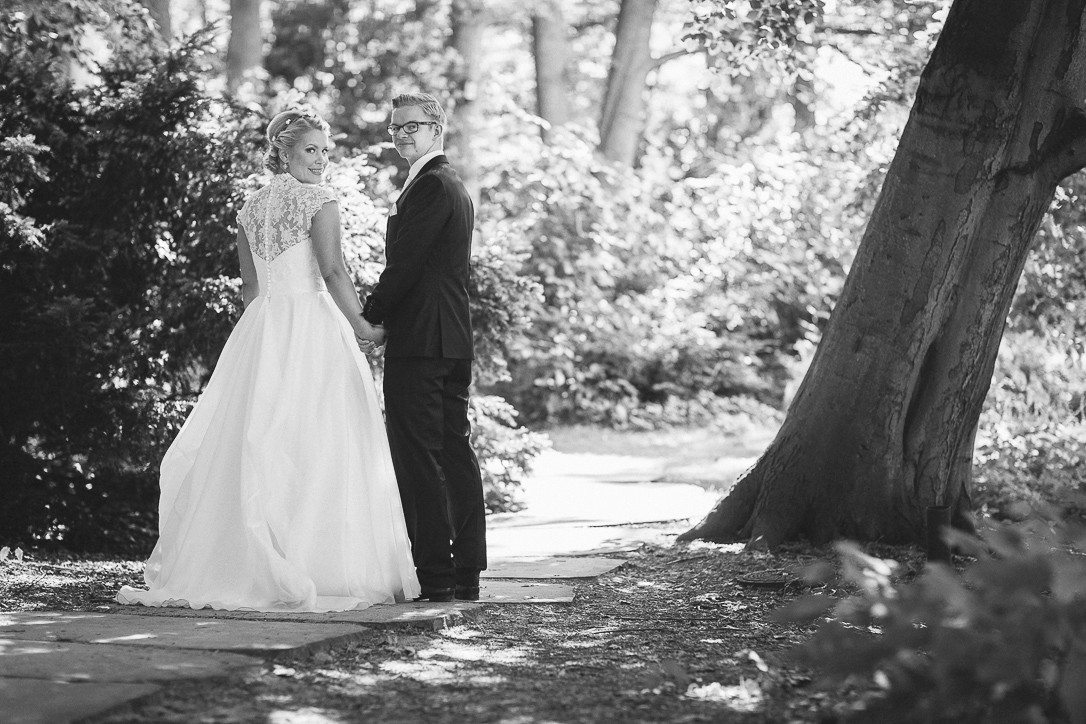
<point>436,595</point>
<point>467,593</point>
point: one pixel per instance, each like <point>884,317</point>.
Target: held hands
<point>369,336</point>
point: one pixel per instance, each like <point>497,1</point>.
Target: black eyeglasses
<point>410,127</point>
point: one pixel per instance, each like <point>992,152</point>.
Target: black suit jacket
<point>422,295</point>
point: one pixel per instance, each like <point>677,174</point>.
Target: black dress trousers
<point>426,410</point>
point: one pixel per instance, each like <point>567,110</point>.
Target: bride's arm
<point>250,285</point>
<point>326,242</point>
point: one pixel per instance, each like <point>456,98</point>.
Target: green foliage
<point>46,41</point>
<point>1031,444</point>
<point>1003,642</point>
<point>356,56</point>
<point>1051,298</point>
<point>110,270</point>
<point>501,297</point>
<point>699,276</point>
<point>684,289</point>
<point>505,451</point>
<point>661,297</point>
<point>118,188</point>
<point>749,33</point>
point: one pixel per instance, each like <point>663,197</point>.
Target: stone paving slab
<point>548,567</point>
<point>424,615</point>
<point>607,503</point>
<point>561,539</point>
<point>264,638</point>
<point>33,701</point>
<point>75,662</point>
<point>400,616</point>
<point>599,467</point>
<point>497,590</point>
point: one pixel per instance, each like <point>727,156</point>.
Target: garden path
<point>584,510</point>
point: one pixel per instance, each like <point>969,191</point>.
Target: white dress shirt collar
<point>416,167</point>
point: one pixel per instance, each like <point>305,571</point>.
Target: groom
<point>421,299</point>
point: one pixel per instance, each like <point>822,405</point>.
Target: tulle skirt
<point>278,493</point>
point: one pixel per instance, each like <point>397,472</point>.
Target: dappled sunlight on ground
<point>31,584</point>
<point>746,696</point>
<point>427,672</point>
<point>463,652</point>
<point>669,636</point>
<point>307,715</point>
<point>696,546</point>
<point>350,682</point>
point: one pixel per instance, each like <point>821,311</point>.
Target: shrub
<point>505,451</point>
<point>1031,443</point>
<point>117,202</point>
<point>110,267</point>
<point>1005,641</point>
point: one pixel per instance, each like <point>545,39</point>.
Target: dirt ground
<point>674,635</point>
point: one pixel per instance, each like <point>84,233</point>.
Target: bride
<point>278,492</point>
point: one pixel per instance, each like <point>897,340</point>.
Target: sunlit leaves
<point>121,306</point>
<point>506,451</point>
<point>744,33</point>
<point>1006,634</point>
<point>6,553</point>
<point>1031,443</point>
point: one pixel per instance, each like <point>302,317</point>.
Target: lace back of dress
<point>278,218</point>
<point>265,242</point>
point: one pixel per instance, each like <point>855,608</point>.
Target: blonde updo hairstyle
<point>283,133</point>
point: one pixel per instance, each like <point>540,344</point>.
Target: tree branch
<point>841,30</point>
<point>1067,153</point>
<point>1063,151</point>
<point>660,60</point>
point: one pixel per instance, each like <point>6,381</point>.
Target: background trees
<point>113,270</point>
<point>883,426</point>
<point>670,196</point>
<point>245,49</point>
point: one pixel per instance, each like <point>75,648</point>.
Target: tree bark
<point>622,118</point>
<point>882,425</point>
<point>160,13</point>
<point>423,8</point>
<point>800,96</point>
<point>551,51</point>
<point>245,48</point>
<point>469,22</point>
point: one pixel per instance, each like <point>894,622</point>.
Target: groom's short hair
<point>426,102</point>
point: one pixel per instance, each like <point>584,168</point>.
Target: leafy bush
<point>1031,443</point>
<point>1003,642</point>
<point>110,267</point>
<point>657,294</point>
<point>505,451</point>
<point>118,188</point>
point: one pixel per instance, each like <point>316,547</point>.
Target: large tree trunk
<point>882,425</point>
<point>469,22</point>
<point>622,119</point>
<point>551,51</point>
<point>245,48</point>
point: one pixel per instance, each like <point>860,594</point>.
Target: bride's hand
<point>367,346</point>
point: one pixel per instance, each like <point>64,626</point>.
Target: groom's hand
<point>370,336</point>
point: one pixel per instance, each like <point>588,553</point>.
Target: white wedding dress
<point>278,493</point>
